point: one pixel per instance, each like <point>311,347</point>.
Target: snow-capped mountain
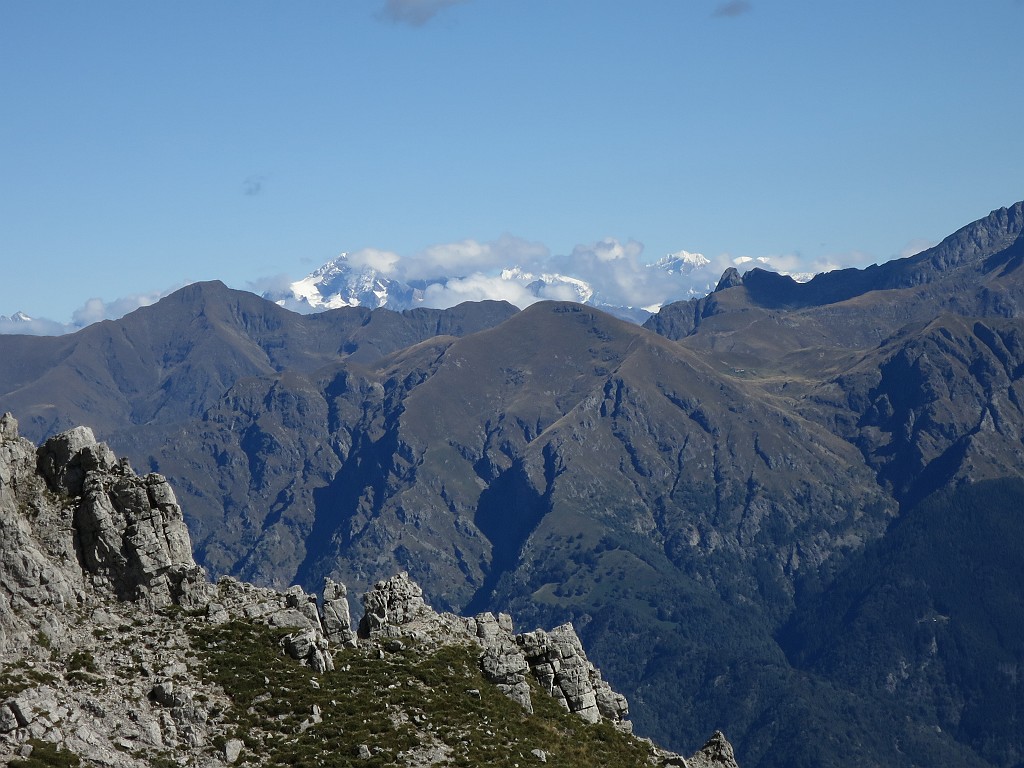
<point>685,275</point>
<point>339,283</point>
<point>681,262</point>
<point>550,285</point>
<point>20,323</point>
<point>17,317</point>
<point>345,283</point>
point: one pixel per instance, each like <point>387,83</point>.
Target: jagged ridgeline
<point>115,650</point>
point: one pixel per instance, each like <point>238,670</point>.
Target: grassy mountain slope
<point>174,360</point>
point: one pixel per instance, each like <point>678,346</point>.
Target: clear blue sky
<point>144,145</point>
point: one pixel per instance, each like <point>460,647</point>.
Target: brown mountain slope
<point>174,360</point>
<point>446,457</point>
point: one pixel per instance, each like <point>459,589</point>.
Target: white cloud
<point>468,257</point>
<point>793,264</point>
<point>616,273</point>
<point>477,287</point>
<point>96,309</point>
<point>449,258</point>
<point>271,285</point>
<point>37,326</point>
<point>415,12</point>
<point>385,262</point>
<point>608,249</point>
<point>558,292</point>
<point>92,311</point>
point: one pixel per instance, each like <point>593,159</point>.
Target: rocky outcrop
<point>716,753</point>
<point>92,559</point>
<point>97,585</point>
<point>129,534</point>
<point>394,608</point>
<point>337,623</point>
<point>77,525</point>
<point>293,609</point>
<point>561,666</point>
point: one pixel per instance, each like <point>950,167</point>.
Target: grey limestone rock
<point>395,608</point>
<point>716,753</point>
<point>396,602</point>
<point>232,750</point>
<point>66,459</point>
<point>336,619</point>
<point>129,534</point>
<point>561,666</point>
<point>310,647</point>
<point>293,609</point>
<point>501,660</point>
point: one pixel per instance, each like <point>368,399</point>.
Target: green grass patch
<point>412,700</point>
<point>17,677</point>
<point>46,755</point>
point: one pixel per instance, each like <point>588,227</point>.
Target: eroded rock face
<point>66,459</point>
<point>560,664</point>
<point>292,609</point>
<point>90,557</point>
<point>131,533</point>
<point>128,532</point>
<point>94,560</point>
<point>396,603</point>
<point>38,564</point>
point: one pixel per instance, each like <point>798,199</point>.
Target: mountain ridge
<point>344,282</point>
<point>696,486</point>
<point>978,248</point>
<point>161,361</point>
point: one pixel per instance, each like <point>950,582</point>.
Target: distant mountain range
<point>344,282</point>
<point>18,322</point>
<point>340,283</point>
<point>789,510</point>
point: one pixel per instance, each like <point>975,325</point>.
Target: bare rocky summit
<point>106,620</point>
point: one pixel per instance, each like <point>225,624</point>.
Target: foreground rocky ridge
<point>106,620</point>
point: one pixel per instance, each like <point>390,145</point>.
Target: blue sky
<point>147,145</point>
